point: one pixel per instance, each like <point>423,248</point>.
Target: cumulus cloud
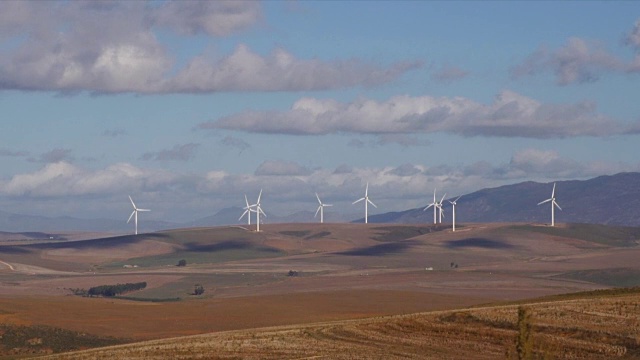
<point>183,152</point>
<point>113,47</point>
<point>281,168</point>
<point>246,70</point>
<point>65,179</point>
<point>633,39</point>
<point>510,115</point>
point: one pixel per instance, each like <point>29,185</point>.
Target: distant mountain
<point>21,223</point>
<point>611,200</point>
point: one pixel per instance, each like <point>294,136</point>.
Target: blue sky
<point>187,106</point>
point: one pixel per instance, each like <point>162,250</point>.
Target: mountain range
<point>611,199</point>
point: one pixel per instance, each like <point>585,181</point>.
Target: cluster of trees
<point>113,290</point>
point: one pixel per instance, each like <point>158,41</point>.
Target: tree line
<point>110,290</point>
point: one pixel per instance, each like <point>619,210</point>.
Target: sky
<point>188,106</point>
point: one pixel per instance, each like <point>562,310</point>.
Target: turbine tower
<point>135,213</point>
<point>258,211</point>
<point>553,204</point>
<point>247,210</point>
<point>366,203</point>
<point>321,209</point>
<point>453,212</point>
<point>440,210</point>
<point>435,206</point>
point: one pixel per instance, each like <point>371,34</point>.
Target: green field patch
<point>616,236</point>
<point>294,233</point>
<point>619,277</point>
<point>319,235</point>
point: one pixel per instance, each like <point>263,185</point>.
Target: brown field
<point>591,327</point>
<point>345,271</point>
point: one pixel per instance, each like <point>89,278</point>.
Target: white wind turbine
<point>366,203</point>
<point>247,210</point>
<point>321,209</point>
<point>440,210</point>
<point>453,212</point>
<point>435,207</point>
<point>553,204</point>
<point>135,213</point>
<point>258,211</point>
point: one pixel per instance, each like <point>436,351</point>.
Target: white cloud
<point>62,179</point>
<point>245,70</point>
<point>510,115</point>
<point>113,47</point>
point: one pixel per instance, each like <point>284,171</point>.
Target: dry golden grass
<point>590,328</point>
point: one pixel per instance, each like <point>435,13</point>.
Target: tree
<point>199,290</point>
<point>182,262</point>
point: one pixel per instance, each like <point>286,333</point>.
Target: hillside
<point>613,200</point>
<point>601,325</point>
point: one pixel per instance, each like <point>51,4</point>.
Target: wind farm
<point>394,158</point>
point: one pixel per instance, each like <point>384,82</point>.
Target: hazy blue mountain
<point>611,199</point>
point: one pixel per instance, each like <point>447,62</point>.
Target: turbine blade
<point>556,204</point>
<point>425,209</point>
<point>259,196</point>
<point>357,201</point>
<point>327,204</point>
<point>132,203</point>
<point>456,200</point>
<point>144,210</point>
<point>371,202</point>
<point>366,190</point>
<point>441,200</point>
<point>318,197</point>
<point>542,202</point>
<point>245,200</point>
<point>317,211</point>
<point>553,192</point>
<point>130,216</point>
<point>262,212</point>
<point>243,214</point>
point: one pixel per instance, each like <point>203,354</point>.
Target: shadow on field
<point>225,245</point>
<point>478,242</point>
<point>13,250</point>
<point>379,250</point>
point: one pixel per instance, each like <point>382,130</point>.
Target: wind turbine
<point>321,209</point>
<point>366,203</point>
<point>258,211</point>
<point>439,206</point>
<point>453,204</point>
<point>435,205</point>
<point>247,210</point>
<point>553,204</point>
<point>135,213</point>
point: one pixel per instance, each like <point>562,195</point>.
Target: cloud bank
<point>114,47</point>
<point>510,115</point>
